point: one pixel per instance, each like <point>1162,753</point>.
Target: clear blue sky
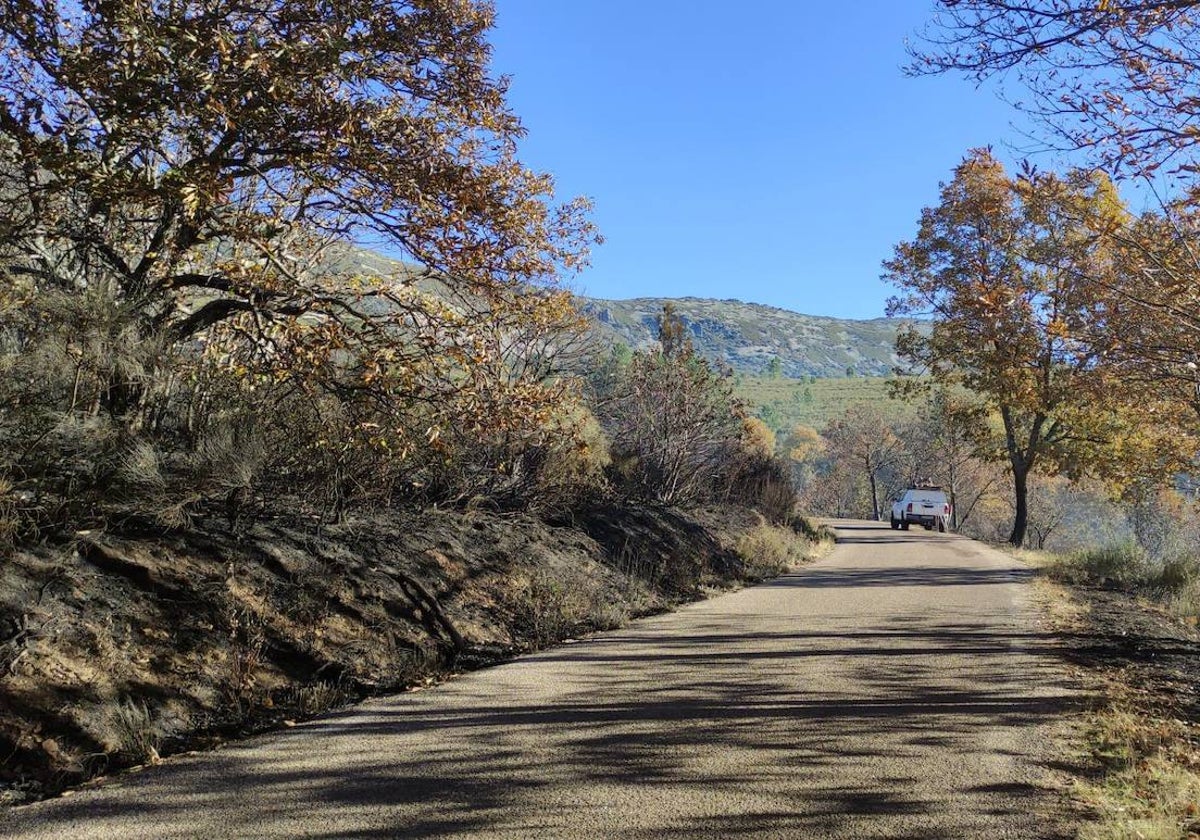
<point>769,150</point>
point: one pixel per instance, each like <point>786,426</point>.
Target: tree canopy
<point>199,158</point>
<point>1117,78</point>
<point>182,184</point>
<point>1005,269</point>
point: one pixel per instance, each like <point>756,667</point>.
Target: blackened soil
<point>1154,655</point>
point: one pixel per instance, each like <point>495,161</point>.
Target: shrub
<point>99,425</point>
<point>545,609</point>
<point>576,456</point>
<point>1122,564</point>
<point>1172,576</point>
<point>1184,602</point>
<point>548,606</point>
<point>770,550</point>
<point>762,482</point>
<point>813,533</point>
<point>678,434</point>
<point>514,458</point>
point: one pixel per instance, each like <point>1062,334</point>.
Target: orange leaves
<point>206,168</point>
<point>1058,329</point>
<point>1015,273</point>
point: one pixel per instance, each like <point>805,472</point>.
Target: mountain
<point>747,336</point>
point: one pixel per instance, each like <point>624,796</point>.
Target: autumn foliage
<point>183,320</point>
<point>1020,279</point>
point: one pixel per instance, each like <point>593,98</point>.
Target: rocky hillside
<point>747,336</point>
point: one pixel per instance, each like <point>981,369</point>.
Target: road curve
<point>897,688</point>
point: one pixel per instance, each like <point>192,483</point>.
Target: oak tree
<point>181,185</point>
<point>942,446</point>
<point>1000,269</point>
<point>867,449</point>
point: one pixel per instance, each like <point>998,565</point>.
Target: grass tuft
<point>1150,787</point>
<point>770,550</point>
<point>133,727</point>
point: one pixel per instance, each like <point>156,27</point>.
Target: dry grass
<point>135,731</point>
<point>1146,763</point>
<point>1150,784</point>
<point>548,608</point>
<point>770,550</point>
<point>9,522</point>
<point>1174,582</point>
<point>316,698</point>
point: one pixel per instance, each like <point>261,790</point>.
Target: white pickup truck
<point>927,506</point>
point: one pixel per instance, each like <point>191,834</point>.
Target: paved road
<point>896,688</point>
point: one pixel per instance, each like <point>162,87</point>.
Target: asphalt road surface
<point>897,688</point>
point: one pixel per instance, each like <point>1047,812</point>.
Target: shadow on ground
<point>661,730</point>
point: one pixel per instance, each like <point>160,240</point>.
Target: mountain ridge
<point>748,336</point>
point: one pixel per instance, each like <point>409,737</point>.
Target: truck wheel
<point>941,526</point>
<point>895,524</point>
<point>904,525</point>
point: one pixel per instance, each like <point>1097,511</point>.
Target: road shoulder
<point>1130,760</point>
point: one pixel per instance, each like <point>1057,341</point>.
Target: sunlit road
<point>897,688</point>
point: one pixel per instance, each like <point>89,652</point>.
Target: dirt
<point>122,647</point>
<point>1128,639</point>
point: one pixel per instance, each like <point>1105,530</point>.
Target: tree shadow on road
<point>653,731</point>
<point>907,575</point>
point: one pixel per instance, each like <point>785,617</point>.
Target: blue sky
<point>769,151</point>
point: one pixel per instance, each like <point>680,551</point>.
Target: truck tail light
<point>946,509</point>
<point>910,507</point>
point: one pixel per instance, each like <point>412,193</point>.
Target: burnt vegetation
<point>249,471</point>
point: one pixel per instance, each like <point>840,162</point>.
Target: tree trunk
<point>1021,490</point>
<point>1022,459</point>
<point>874,497</point>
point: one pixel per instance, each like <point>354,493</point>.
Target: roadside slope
<point>897,688</point>
<point>116,648</point>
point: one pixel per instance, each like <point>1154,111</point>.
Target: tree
<point>869,449</point>
<point>180,185</point>
<point>943,442</point>
<point>1001,268</point>
<point>774,368</point>
<point>1117,78</point>
<point>197,160</point>
<point>803,443</point>
<point>758,438</point>
<point>673,419</point>
<point>1120,81</point>
<point>1153,333</point>
<point>802,449</point>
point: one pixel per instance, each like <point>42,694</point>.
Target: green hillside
<point>782,403</point>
